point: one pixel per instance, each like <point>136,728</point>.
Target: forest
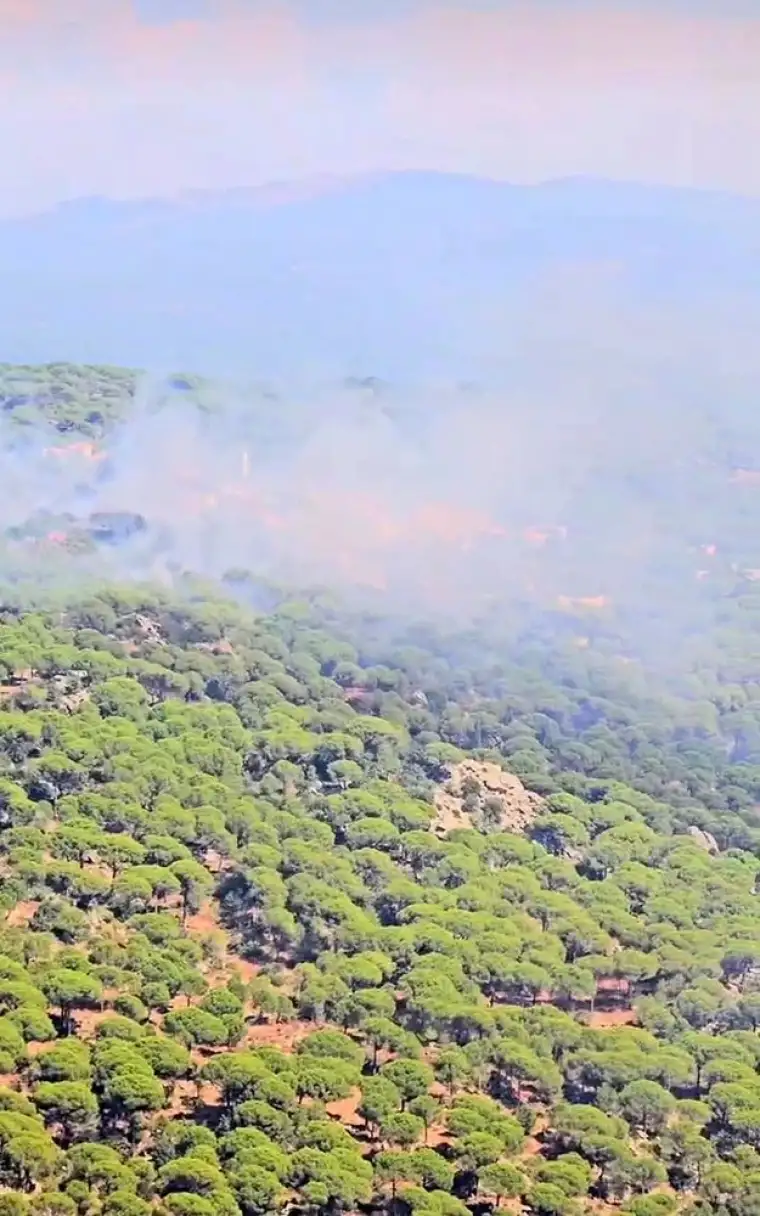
<point>307,908</point>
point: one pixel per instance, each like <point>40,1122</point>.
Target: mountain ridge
<point>282,190</point>
<point>404,275</point>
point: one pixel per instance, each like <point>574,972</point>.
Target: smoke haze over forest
<point>444,389</point>
<point>602,456</point>
<point>380,608</point>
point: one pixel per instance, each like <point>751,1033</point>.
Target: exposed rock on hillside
<point>481,794</point>
<point>705,840</point>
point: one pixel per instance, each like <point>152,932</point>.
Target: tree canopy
<point>306,910</point>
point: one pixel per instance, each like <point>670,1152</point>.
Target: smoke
<point>594,470</point>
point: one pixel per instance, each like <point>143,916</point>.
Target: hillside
<point>633,537</point>
<point>316,902</point>
<point>241,973</point>
<point>408,275</point>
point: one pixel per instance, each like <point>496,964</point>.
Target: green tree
<point>412,1078</point>
<point>402,1129</point>
<point>68,990</point>
<point>502,1181</point>
<point>71,1104</point>
<point>646,1105</point>
<point>380,1098</point>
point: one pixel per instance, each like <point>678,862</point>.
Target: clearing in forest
<point>479,793</point>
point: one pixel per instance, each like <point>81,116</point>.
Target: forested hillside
<point>304,908</point>
<point>255,956</point>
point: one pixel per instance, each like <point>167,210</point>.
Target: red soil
<point>605,1019</point>
<point>37,1048</point>
<point>245,968</point>
<point>345,1109</point>
<point>88,1020</point>
<point>611,983</point>
<point>437,1135</point>
<point>284,1035</point>
<point>204,923</point>
<point>22,913</point>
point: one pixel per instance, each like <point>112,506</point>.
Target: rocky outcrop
<point>705,840</point>
<point>481,794</point>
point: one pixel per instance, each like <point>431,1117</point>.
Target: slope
<point>239,972</point>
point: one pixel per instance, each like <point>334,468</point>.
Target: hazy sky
<point>122,98</point>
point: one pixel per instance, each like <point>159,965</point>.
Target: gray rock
<point>705,840</point>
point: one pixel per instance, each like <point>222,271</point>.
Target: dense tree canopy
<point>304,910</point>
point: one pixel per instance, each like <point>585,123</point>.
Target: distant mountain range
<point>400,275</point>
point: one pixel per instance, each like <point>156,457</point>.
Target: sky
<point>153,97</point>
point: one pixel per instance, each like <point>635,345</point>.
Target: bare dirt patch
<point>614,987</point>
<point>284,1035</point>
<point>500,794</point>
<point>437,1135</point>
<point>533,1144</point>
<point>204,923</point>
<point>20,916</point>
<point>606,1019</point>
<point>38,1046</point>
<point>346,1109</point>
<point>88,1020</point>
<point>245,968</point>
